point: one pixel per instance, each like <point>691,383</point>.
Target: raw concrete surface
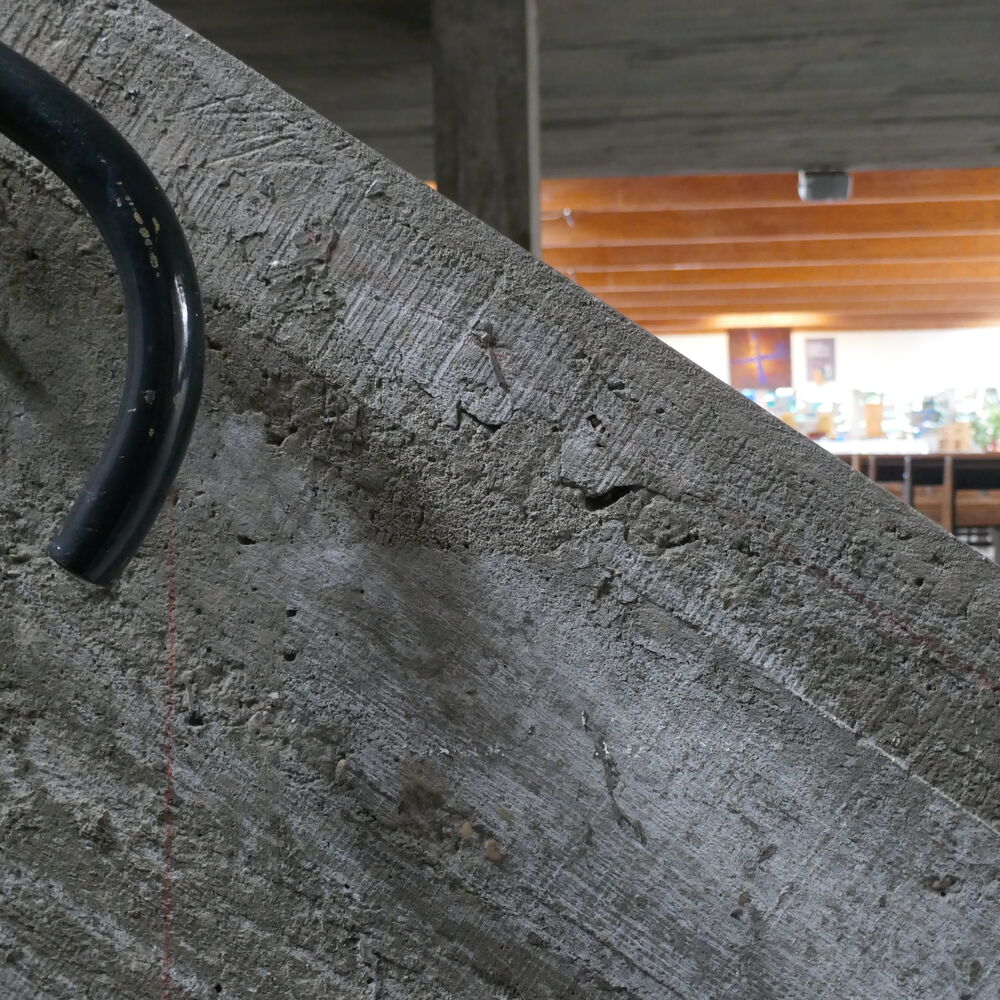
<point>653,87</point>
<point>606,685</point>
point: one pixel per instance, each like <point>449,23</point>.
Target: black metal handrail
<point>130,482</point>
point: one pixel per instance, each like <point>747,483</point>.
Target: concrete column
<point>486,125</point>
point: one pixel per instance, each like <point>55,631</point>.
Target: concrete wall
<point>605,685</point>
<point>653,87</point>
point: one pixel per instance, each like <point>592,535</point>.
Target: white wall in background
<point>709,350</point>
<point>898,362</point>
<point>906,362</point>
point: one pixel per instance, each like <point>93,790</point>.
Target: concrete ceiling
<point>661,86</point>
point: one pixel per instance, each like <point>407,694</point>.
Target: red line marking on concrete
<point>168,746</point>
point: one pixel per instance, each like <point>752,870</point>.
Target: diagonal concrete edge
<point>583,678</point>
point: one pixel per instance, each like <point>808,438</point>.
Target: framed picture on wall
<point>821,360</point>
<point>760,359</point>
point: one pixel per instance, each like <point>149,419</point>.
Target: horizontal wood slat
<point>835,276</point>
<point>649,194</point>
<point>716,322</point>
<point>783,253</point>
<point>896,297</point>
<point>653,313</point>
<point>843,221</point>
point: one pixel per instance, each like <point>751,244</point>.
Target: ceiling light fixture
<point>824,185</point>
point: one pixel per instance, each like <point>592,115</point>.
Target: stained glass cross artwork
<point>750,354</point>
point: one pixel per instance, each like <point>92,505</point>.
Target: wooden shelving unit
<point>955,490</point>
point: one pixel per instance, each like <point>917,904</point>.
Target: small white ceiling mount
<point>824,185</point>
